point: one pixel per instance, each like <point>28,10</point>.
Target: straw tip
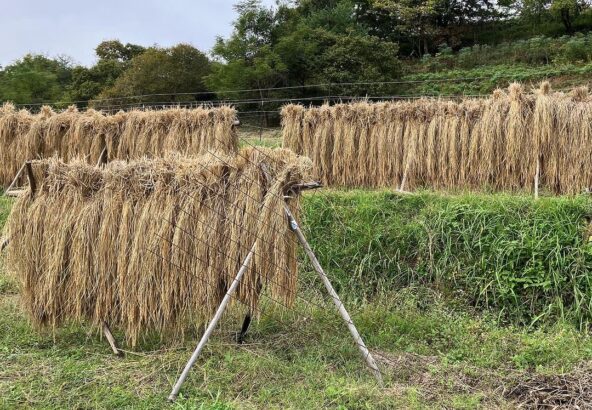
<point>545,87</point>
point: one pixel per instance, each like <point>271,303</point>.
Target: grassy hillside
<point>529,260</point>
<point>485,79</point>
<point>410,268</point>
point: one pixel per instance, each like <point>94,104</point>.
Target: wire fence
<point>306,92</point>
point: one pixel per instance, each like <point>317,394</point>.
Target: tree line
<point>297,43</point>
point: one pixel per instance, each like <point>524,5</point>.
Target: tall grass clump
<point>153,245</point>
<point>129,135</point>
<point>526,260</point>
<point>504,142</point>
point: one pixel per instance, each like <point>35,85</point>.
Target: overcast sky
<point>74,28</point>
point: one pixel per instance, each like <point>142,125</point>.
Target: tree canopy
<point>34,79</point>
<point>301,43</point>
<point>165,71</point>
<point>308,43</point>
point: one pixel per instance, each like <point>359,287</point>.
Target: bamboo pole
<point>536,179</point>
<point>111,340</point>
<point>15,193</point>
<point>404,179</point>
<point>5,242</point>
<point>344,314</point>
<point>212,325</point>
<point>31,176</point>
<point>103,157</point>
<point>18,174</point>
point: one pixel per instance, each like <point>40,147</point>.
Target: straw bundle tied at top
<point>126,135</point>
<point>493,143</point>
<point>152,245</point>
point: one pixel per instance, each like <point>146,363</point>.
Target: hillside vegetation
<point>325,49</point>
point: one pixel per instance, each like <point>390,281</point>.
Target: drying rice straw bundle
<point>339,117</point>
<point>225,138</point>
<point>86,138</point>
<point>577,165</point>
<point>576,153</point>
<point>310,120</point>
<point>112,129</point>
<point>520,163</point>
<point>131,143</point>
<point>314,151</point>
<point>200,130</point>
<point>451,148</point>
<point>59,129</point>
<point>364,122</point>
<point>349,155</point>
<point>433,148</point>
<point>13,126</point>
<point>157,129</point>
<point>72,134</point>
<point>545,142</point>
<point>492,141</point>
<point>380,150</point>
<point>420,113</point>
<point>396,133</point>
<point>149,245</point>
<point>292,122</point>
<point>33,144</point>
<point>469,141</point>
<point>181,133</point>
<point>412,140</point>
<point>326,142</point>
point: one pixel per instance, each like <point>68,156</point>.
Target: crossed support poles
<point>317,266</point>
<point>234,285</point>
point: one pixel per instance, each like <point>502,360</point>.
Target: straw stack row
<point>498,143</point>
<point>126,135</point>
<point>153,245</point>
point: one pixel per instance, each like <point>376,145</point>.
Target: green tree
<point>303,43</point>
<point>162,71</point>
<point>115,50</point>
<point>35,79</point>
<point>113,59</point>
<point>430,23</point>
<point>567,11</point>
<point>248,59</point>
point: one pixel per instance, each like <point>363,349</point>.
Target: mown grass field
<point>437,348</point>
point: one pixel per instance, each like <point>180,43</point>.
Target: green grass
<point>527,260</point>
<point>491,77</point>
<point>435,349</point>
<point>6,285</point>
<point>270,138</point>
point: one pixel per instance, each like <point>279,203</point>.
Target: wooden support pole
<point>536,179</point>
<point>18,174</point>
<point>212,325</point>
<point>103,157</point>
<point>4,244</point>
<point>111,340</point>
<point>297,188</point>
<point>404,180</point>
<point>31,177</point>
<point>15,193</point>
<point>342,311</point>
